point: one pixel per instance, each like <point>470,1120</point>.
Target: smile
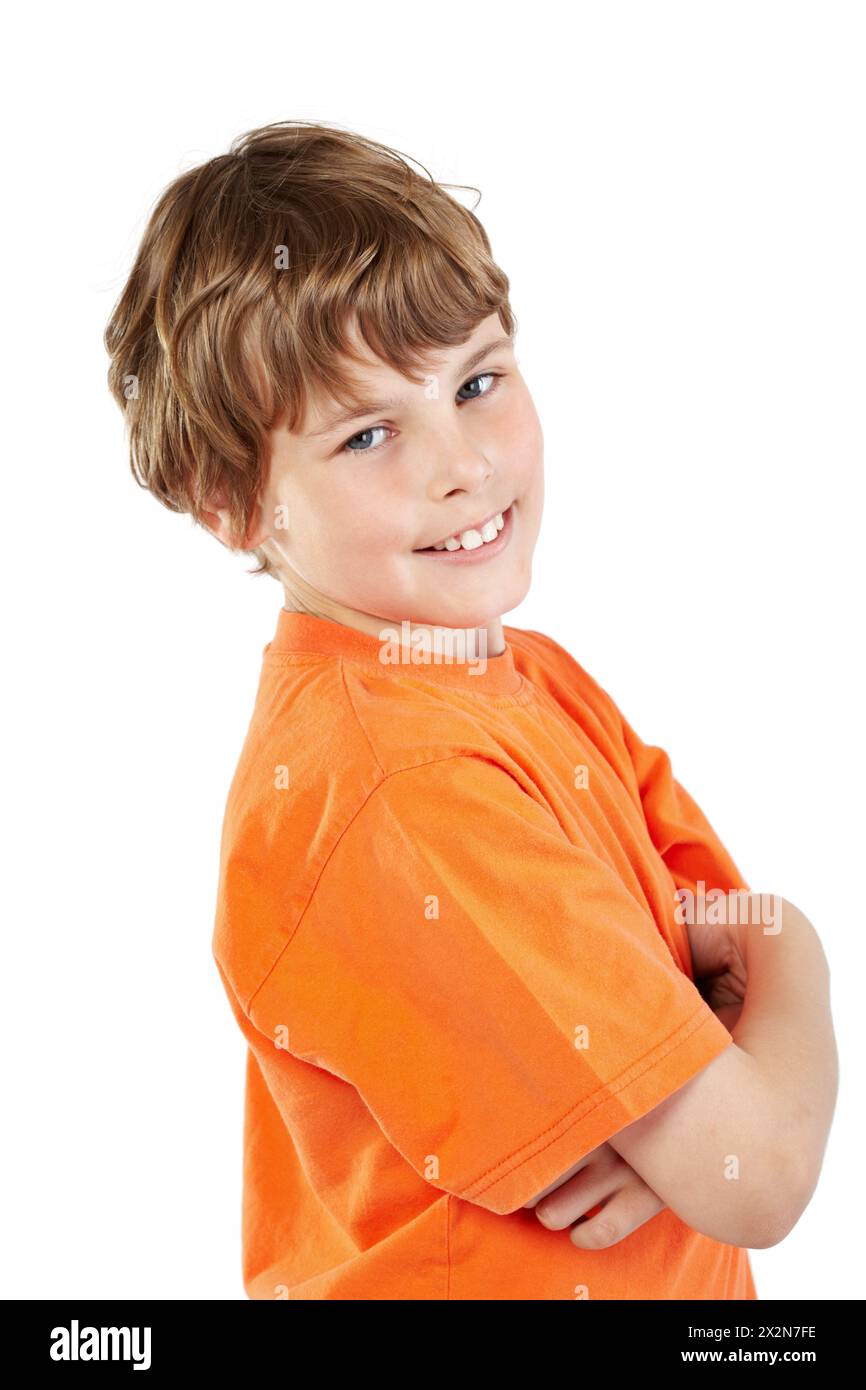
<point>483,540</point>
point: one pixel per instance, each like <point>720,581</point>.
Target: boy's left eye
<point>486,376</point>
<point>491,377</point>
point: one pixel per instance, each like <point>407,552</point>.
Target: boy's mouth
<point>489,533</point>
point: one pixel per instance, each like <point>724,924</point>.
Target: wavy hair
<point>237,303</point>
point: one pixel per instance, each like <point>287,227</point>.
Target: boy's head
<point>311,273</point>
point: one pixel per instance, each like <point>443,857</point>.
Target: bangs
<point>406,298</point>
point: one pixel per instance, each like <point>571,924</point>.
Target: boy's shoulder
<point>326,737</point>
<point>331,739</point>
<point>325,733</point>
<point>337,716</point>
<point>550,665</point>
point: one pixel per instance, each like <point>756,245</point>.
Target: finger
<point>591,1158</point>
<point>627,1210</point>
<point>593,1184</point>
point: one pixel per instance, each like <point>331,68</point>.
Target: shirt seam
<point>386,776</point>
<point>692,1025</point>
<point>359,721</point>
<point>522,695</point>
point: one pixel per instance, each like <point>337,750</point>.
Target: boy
<point>459,916</point>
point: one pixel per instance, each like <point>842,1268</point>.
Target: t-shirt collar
<point>298,634</point>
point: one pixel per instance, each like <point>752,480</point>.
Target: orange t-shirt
<point>447,928</point>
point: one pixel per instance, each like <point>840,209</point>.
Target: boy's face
<point>348,507</point>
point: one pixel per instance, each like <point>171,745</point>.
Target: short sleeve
<point>680,831</point>
<point>496,995</point>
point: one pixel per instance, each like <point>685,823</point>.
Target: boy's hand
<point>718,963</point>
<point>603,1179</point>
<point>602,1176</point>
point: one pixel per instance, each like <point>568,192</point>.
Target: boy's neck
<point>487,640</point>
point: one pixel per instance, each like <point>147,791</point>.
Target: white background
<point>676,192</point>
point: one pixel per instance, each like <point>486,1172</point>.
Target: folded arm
<point>737,1150</point>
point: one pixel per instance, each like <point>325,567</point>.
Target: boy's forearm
<point>786,1027</point>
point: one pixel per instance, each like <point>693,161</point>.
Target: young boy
<point>459,916</point>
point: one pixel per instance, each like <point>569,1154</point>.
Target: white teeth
<point>471,539</point>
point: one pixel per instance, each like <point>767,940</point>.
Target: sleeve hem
<point>644,1085</point>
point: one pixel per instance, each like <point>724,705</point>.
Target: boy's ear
<point>215,517</point>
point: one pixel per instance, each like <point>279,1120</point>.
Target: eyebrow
<point>361,407</point>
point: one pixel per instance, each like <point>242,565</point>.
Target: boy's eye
<point>486,376</point>
<point>362,436</point>
<point>491,377</point>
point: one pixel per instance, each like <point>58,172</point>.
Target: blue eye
<point>492,377</point>
<point>487,376</point>
<point>363,435</point>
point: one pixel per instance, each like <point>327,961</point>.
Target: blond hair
<point>236,306</point>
